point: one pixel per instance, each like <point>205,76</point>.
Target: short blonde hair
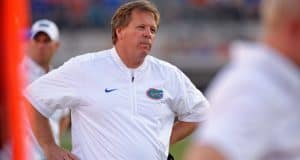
<point>122,16</point>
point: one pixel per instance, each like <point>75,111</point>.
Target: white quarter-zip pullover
<point>119,113</point>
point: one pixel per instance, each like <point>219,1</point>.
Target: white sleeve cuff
<point>40,107</point>
<point>197,114</point>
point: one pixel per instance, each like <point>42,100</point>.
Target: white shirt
<point>118,113</point>
<point>255,106</point>
<point>32,72</point>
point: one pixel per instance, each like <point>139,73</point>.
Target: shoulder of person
<point>163,65</point>
<point>237,81</point>
<point>89,57</point>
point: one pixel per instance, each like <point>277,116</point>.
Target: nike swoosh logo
<point>109,90</point>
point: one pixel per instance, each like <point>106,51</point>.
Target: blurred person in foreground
<point>122,100</point>
<point>256,99</point>
<point>43,45</point>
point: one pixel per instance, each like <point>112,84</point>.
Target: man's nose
<point>41,44</point>
<point>147,33</point>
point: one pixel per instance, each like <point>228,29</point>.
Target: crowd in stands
<point>97,13</point>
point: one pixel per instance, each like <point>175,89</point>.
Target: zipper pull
<point>132,75</point>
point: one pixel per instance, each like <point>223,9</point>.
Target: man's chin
<point>145,51</point>
<point>144,54</point>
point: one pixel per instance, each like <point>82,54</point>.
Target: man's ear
<point>57,45</point>
<point>119,33</point>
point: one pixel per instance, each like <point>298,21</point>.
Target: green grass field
<point>177,150</point>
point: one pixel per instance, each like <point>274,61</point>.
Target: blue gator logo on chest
<point>155,93</point>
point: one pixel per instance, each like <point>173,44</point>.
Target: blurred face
<point>291,38</point>
<point>297,41</point>
<point>42,49</point>
<point>135,41</point>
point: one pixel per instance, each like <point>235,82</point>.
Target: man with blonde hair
<point>255,100</point>
<point>123,101</point>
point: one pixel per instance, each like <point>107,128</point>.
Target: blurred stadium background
<point>195,35</point>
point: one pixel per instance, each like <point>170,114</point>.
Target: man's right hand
<point>54,152</point>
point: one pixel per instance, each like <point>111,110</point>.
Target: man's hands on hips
<point>54,152</point>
